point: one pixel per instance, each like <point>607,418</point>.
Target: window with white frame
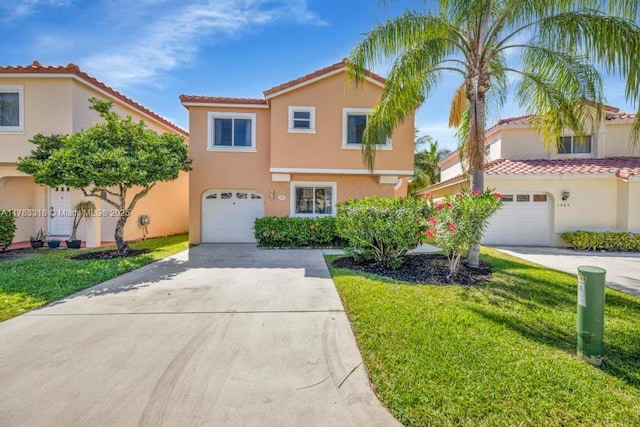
<point>354,121</point>
<point>302,119</point>
<point>574,145</point>
<point>232,131</point>
<point>313,199</point>
<point>11,108</point>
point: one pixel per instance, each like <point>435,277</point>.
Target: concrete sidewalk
<point>623,269</point>
<point>217,335</point>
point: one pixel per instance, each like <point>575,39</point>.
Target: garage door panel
<point>524,222</point>
<point>228,215</point>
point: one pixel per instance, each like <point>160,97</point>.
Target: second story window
<point>232,132</point>
<point>574,145</point>
<point>11,108</point>
<point>354,121</point>
<point>302,119</point>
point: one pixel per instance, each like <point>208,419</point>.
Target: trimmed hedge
<point>7,229</point>
<point>608,241</point>
<point>294,232</point>
<point>381,229</point>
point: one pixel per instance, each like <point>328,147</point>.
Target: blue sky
<point>155,50</point>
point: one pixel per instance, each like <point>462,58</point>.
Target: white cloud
<point>172,38</point>
<point>26,7</point>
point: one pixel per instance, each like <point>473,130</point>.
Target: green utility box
<point>591,313</point>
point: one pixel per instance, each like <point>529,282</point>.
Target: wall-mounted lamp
<point>565,196</point>
<point>272,193</point>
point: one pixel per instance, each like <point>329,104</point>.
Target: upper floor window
<point>354,121</point>
<point>11,108</point>
<point>574,145</point>
<point>232,132</point>
<point>302,119</point>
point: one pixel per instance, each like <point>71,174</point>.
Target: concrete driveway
<point>623,269</point>
<point>217,335</point>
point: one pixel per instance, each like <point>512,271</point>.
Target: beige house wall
<point>592,204</point>
<point>60,105</point>
<point>633,224</point>
<point>617,141</point>
<point>47,107</point>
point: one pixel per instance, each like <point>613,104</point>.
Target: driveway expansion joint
<point>184,313</point>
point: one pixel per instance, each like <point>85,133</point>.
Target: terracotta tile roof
<point>318,73</point>
<point>623,167</point>
<point>620,116</point>
<point>222,100</point>
<point>38,68</point>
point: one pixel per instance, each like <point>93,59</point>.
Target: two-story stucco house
<point>591,184</point>
<point>294,152</point>
<point>54,100</point>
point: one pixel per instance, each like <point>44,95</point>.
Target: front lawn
<point>498,354</point>
<point>48,276</point>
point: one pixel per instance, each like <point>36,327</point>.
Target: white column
<point>93,226</point>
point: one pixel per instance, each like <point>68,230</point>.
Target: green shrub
<point>7,229</point>
<point>458,221</point>
<point>294,232</point>
<point>381,229</point>
<point>608,241</point>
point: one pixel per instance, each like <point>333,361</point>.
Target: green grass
<point>29,283</point>
<point>495,355</point>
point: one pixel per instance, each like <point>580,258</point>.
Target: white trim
<point>345,130</point>
<point>228,115</point>
<point>280,177</point>
<point>19,89</point>
<point>343,171</point>
<point>303,109</point>
<point>292,197</point>
<point>213,104</point>
<point>398,184</point>
<point>388,179</point>
<point>315,79</point>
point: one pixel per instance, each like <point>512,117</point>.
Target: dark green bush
<point>294,232</point>
<point>381,229</point>
<point>608,241</point>
<point>7,229</point>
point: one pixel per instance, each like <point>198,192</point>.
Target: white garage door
<point>524,219</point>
<point>228,215</point>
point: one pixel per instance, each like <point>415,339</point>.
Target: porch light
<point>272,193</point>
<point>565,195</point>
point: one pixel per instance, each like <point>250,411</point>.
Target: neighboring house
<point>294,152</point>
<point>592,184</point>
<point>54,100</point>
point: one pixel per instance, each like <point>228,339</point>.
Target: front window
<point>354,122</point>
<point>232,131</point>
<point>11,108</point>
<point>302,119</point>
<point>314,200</point>
<point>574,145</point>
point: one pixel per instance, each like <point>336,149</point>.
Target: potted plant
<point>80,210</point>
<point>53,243</point>
<point>37,241</point>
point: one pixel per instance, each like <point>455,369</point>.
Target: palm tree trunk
<point>476,155</point>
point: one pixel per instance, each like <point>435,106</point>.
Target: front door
<point>60,211</point>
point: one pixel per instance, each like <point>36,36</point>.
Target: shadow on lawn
<point>525,292</point>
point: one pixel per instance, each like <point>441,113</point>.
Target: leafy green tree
<point>109,161</point>
<point>425,163</point>
<point>553,48</point>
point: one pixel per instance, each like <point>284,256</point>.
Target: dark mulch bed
<point>422,269</point>
<point>110,254</point>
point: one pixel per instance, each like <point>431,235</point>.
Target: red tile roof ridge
<point>222,99</point>
<point>319,73</point>
<point>621,166</point>
<point>71,68</point>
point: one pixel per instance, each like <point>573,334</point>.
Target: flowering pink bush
<point>462,222</point>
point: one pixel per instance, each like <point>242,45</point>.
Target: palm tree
<point>425,163</point>
<point>553,48</point>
